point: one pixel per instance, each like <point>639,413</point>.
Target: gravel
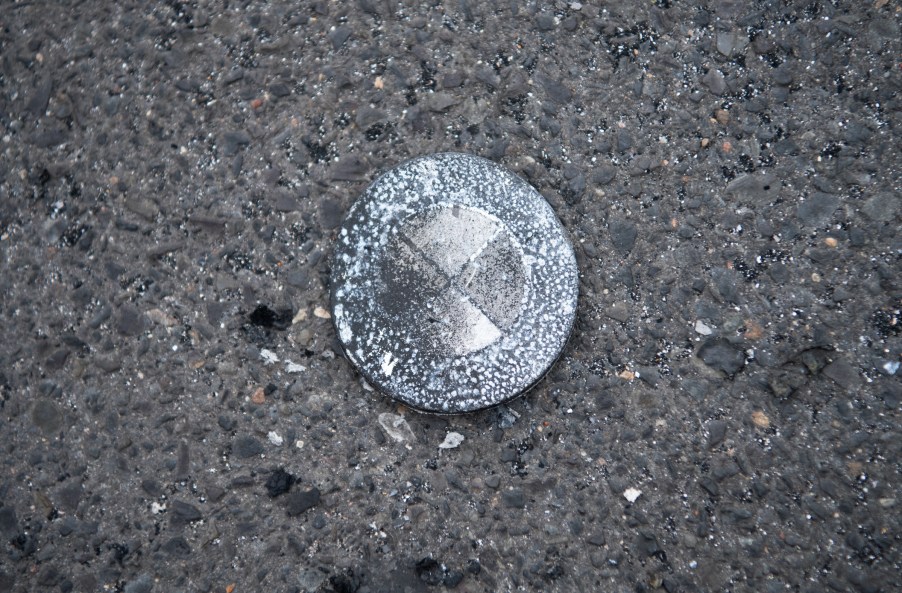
<point>173,176</point>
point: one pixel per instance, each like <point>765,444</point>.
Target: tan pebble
<point>627,375</point>
<point>760,419</point>
<point>259,396</point>
<point>815,277</point>
<point>321,313</point>
<point>722,116</point>
<point>198,364</point>
<point>831,242</point>
<point>727,146</point>
<point>705,142</point>
<point>378,83</point>
<point>753,331</point>
<point>300,316</point>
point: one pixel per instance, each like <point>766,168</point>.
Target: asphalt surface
<point>174,411</point>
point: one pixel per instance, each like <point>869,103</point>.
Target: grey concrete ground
<point>174,411</point>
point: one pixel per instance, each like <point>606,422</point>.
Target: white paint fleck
<point>268,356</point>
<point>275,438</point>
<point>388,364</point>
<point>631,494</point>
<point>452,441</point>
<point>891,367</point>
<point>156,508</point>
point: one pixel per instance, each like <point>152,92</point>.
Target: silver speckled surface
<point>454,286</point>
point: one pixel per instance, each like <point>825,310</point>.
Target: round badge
<point>454,285</point>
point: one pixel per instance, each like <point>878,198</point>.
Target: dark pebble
<point>302,500</point>
<point>719,354</point>
<point>247,446</point>
<point>842,373</point>
<point>623,234</point>
<point>318,521</point>
<point>717,430</point>
<point>555,89</point>
<point>184,512</point>
<point>279,482</point>
<point>40,97</point>
<point>232,142</point>
<point>514,498</point>
<point>339,35</point>
<point>279,319</point>
<point>279,89</point>
<point>46,415</point>
<point>177,547</point>
<point>130,322</point>
<point>715,81</point>
<point>817,209</point>
<point>604,175</point>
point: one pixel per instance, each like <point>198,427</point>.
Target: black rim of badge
<point>454,285</point>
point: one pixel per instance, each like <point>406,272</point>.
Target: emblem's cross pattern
<point>459,271</point>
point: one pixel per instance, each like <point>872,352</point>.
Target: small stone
<point>269,357</point>
<point>259,396</point>
<point>301,501</point>
<point>842,373</point>
<point>452,441</point>
<point>265,317</point>
<point>185,512</point>
<point>618,312</point>
<point>719,354</point>
<point>715,81</point>
<point>247,446</point>
<point>817,209</point>
<point>623,234</point>
<point>760,419</point>
<point>438,102</point>
<point>46,415</point>
<point>279,482</point>
<point>275,438</point>
<point>321,313</point>
<point>514,498</point>
<point>701,328</point>
<point>631,494</point>
<point>722,116</point>
<point>339,35</point>
<point>142,584</point>
<point>130,322</point>
<point>396,427</point>
<point>717,430</point>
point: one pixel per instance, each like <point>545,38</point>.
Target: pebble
<point>817,209</point>
<point>623,234</point>
<point>279,482</point>
<point>452,441</point>
<point>631,494</point>
<point>720,354</point>
<point>514,498</point>
<point>247,446</point>
<point>701,328</point>
<point>396,427</point>
<point>301,501</point>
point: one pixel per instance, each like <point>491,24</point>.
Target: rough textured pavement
<point>173,412</point>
